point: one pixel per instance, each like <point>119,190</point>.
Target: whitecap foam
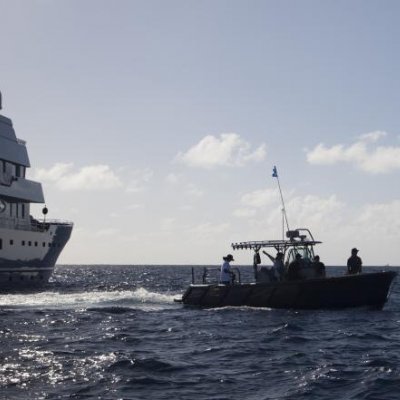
<point>139,298</point>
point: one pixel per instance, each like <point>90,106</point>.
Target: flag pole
<point>275,175</point>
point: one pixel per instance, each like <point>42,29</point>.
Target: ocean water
<point>114,332</point>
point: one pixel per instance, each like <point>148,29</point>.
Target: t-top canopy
<point>296,238</point>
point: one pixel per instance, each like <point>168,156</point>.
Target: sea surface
<point>114,332</point>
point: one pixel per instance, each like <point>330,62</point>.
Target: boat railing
<point>211,275</point>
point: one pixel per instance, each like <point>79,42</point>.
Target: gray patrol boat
<point>29,247</point>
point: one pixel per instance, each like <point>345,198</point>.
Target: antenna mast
<point>284,215</point>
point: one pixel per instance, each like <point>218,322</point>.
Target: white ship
<point>29,247</point>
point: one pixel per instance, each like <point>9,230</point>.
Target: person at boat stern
<point>226,275</point>
<point>354,263</point>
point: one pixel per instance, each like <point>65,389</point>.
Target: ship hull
<point>27,258</point>
<point>362,290</point>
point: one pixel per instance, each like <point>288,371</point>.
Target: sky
<point>154,125</point>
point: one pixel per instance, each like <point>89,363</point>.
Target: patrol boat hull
<point>361,290</point>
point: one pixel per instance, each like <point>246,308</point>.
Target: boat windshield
<point>306,252</point>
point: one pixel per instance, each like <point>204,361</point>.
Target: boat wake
<point>132,299</point>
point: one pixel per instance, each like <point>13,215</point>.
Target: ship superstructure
<point>29,247</point>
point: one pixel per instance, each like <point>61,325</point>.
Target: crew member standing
<point>354,263</point>
<point>226,275</point>
<point>278,268</point>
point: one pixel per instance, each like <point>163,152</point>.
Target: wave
<point>119,299</point>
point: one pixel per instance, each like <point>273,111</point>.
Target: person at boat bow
<point>226,276</point>
<point>354,263</point>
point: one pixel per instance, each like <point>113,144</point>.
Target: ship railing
<point>54,222</point>
<point>210,275</point>
<point>32,224</point>
<point>41,225</point>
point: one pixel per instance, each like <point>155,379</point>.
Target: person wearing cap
<point>354,263</point>
<point>226,276</point>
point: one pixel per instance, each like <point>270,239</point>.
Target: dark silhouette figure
<point>294,268</point>
<point>319,267</point>
<point>354,263</point>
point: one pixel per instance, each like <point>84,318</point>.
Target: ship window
<point>11,242</point>
<point>10,168</point>
<point>36,243</point>
<point>23,243</point>
<point>20,171</point>
<point>44,244</point>
<point>29,243</point>
<point>23,210</point>
<point>1,244</point>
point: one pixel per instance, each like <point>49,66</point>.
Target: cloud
<point>172,178</point>
<point>167,224</point>
<point>305,210</point>
<point>372,137</point>
<point>193,190</point>
<point>381,218</point>
<point>92,177</point>
<point>53,174</point>
<point>106,232</point>
<point>139,180</point>
<point>229,150</point>
<point>260,198</point>
<point>381,159</point>
<point>311,210</point>
<point>208,229</point>
<point>181,186</point>
<point>244,212</point>
<point>134,206</point>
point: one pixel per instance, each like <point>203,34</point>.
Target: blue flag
<point>274,172</point>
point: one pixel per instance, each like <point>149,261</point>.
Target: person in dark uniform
<point>354,263</point>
